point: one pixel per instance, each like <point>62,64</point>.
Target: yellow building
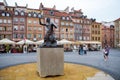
<point>96,31</point>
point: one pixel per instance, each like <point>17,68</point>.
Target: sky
<point>101,10</point>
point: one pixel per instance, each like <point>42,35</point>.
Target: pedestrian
<point>85,49</point>
<point>80,50</point>
<point>106,52</point>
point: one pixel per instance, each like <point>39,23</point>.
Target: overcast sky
<point>102,10</point>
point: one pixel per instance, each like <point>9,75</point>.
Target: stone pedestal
<point>50,61</point>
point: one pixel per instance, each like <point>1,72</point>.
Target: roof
<point>56,12</point>
<point>107,23</point>
<point>1,3</point>
<point>117,19</point>
<point>46,8</point>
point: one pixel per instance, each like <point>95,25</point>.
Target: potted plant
<point>7,48</point>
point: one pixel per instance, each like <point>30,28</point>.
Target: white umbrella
<point>6,41</point>
<point>64,41</point>
<point>26,41</point>
<point>42,41</point>
<point>39,42</point>
<point>119,45</point>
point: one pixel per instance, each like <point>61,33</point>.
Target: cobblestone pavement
<point>93,59</point>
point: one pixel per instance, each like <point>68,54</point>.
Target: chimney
<point>5,2</point>
<point>41,6</point>
<point>67,9</point>
<point>72,9</point>
<point>54,7</point>
<point>26,5</point>
<point>16,4</point>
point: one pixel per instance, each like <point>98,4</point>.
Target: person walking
<point>81,50</point>
<point>106,52</point>
<point>85,49</point>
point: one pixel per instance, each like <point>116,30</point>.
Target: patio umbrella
<point>119,45</point>
<point>25,41</point>
<point>42,41</point>
<point>6,41</point>
<point>64,41</point>
<point>39,42</point>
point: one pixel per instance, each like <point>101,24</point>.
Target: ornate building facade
<point>20,22</point>
<point>117,32</point>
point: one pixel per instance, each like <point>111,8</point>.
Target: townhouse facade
<point>23,22</point>
<point>34,30</point>
<point>5,22</point>
<point>117,32</point>
<point>108,34</point>
<point>96,31</point>
<point>81,25</point>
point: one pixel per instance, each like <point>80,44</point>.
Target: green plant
<point>20,50</point>
<point>7,48</point>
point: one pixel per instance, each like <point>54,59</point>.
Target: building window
<point>9,21</point>
<point>7,14</point>
<point>98,38</point>
<point>22,28</point>
<point>88,38</point>
<point>93,38</point>
<point>62,23</point>
<point>0,28</point>
<point>34,35</point>
<point>39,15</point>
<point>67,24</point>
<point>29,36</point>
<point>67,18</point>
<point>15,28</point>
<point>29,15</point>
<point>21,36</point>
<point>35,22</point>
<point>39,35</point>
<point>35,15</point>
<point>16,19</point>
<point>22,13</point>
<point>62,35</point>
<point>63,18</point>
<point>29,21</point>
<point>62,29</point>
<point>80,37</point>
<point>22,19</point>
<point>70,30</point>
<point>35,28</point>
<point>77,21</point>
<point>0,20</point>
<point>66,30</point>
<point>15,35</point>
<point>95,32</point>
<point>29,28</point>
<point>71,24</point>
<point>16,13</point>
<point>9,29</point>
<point>3,14</point>
<point>40,29</point>
<point>51,13</point>
<point>5,21</point>
<point>98,32</point>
